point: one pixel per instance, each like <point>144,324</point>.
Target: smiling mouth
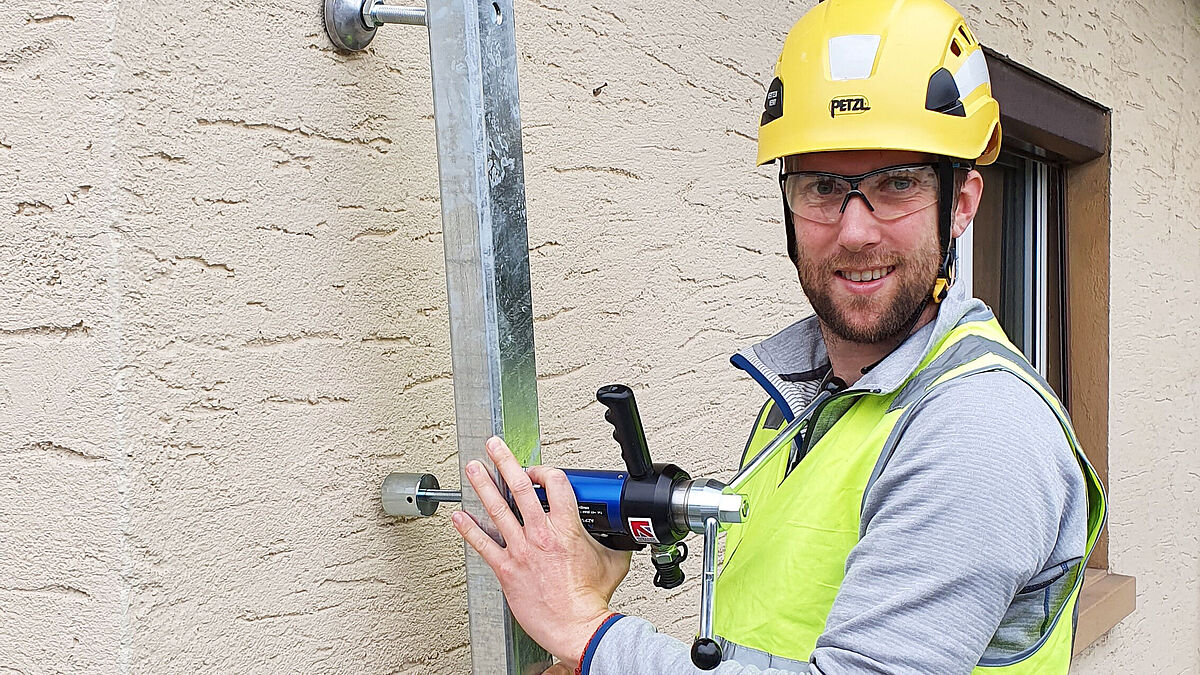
<point>866,275</point>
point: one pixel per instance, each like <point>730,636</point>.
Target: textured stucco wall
<point>63,467</point>
<point>223,315</point>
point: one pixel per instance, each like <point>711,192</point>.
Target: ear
<point>969,196</point>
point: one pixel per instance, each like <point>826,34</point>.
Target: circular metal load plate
<point>344,24</point>
<point>399,493</point>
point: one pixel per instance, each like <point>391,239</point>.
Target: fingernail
<point>473,467</point>
<point>493,443</point>
<point>457,517</point>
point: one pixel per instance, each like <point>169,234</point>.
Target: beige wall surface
<point>223,313</point>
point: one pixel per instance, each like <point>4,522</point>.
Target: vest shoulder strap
<point>770,419</point>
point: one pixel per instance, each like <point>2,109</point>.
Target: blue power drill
<point>647,504</point>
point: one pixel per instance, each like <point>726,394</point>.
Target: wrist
<point>598,626</point>
<point>579,639</point>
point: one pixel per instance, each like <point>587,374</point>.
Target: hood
<point>791,364</point>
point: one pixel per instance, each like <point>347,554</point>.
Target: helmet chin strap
<point>945,278</point>
<point>788,228</point>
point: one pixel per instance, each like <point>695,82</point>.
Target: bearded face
<point>870,296</point>
<point>869,271</point>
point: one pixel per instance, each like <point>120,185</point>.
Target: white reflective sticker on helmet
<point>851,57</point>
<point>971,74</point>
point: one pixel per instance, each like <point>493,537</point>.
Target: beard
<point>868,319</point>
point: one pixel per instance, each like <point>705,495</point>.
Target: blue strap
<point>586,663</point>
<point>743,363</point>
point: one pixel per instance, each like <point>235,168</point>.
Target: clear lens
<point>893,192</point>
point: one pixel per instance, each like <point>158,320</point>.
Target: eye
<point>903,182</point>
<point>824,187</point>
<point>814,190</point>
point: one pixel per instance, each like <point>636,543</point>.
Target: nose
<point>859,228</point>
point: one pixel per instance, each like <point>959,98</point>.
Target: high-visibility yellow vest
<point>784,565</point>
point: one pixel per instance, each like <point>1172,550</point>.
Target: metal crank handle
<point>706,652</point>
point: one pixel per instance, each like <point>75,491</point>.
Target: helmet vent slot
<point>954,48</point>
<point>943,96</point>
<point>966,36</point>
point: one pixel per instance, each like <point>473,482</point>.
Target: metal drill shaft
<point>440,495</point>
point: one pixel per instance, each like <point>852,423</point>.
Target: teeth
<point>869,275</point>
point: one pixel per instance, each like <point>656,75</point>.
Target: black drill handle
<point>627,427</point>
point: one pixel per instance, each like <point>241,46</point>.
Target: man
<point>936,514</point>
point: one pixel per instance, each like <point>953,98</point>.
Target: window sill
<point>1105,600</point>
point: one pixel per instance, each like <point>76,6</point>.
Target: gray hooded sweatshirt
<point>968,537</point>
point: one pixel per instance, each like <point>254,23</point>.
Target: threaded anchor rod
<point>375,13</point>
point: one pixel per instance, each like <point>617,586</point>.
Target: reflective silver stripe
<point>960,353</point>
<point>748,656</point>
<point>978,313</point>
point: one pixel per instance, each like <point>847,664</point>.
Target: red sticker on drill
<point>642,531</point>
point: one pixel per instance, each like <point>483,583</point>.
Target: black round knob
<point>706,653</point>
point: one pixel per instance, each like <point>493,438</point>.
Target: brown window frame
<point>1040,116</point>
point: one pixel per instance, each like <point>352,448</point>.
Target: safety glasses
<point>890,193</point>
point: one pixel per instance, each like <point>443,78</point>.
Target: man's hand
<point>557,579</point>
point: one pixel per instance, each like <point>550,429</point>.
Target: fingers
<point>484,545</point>
<point>518,483</point>
<point>564,507</point>
<point>495,504</point>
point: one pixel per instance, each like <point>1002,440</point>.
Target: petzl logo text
<point>848,105</point>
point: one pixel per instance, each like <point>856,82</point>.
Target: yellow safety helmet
<point>883,75</point>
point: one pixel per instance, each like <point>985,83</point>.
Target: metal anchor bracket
<point>414,494</point>
<point>351,24</point>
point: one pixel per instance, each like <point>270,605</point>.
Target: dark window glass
<point>1017,261</point>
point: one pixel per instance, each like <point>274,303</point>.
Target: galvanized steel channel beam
<point>472,49</point>
<point>473,54</point>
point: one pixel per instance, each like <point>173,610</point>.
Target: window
<point>1013,260</point>
<point>1038,255</point>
